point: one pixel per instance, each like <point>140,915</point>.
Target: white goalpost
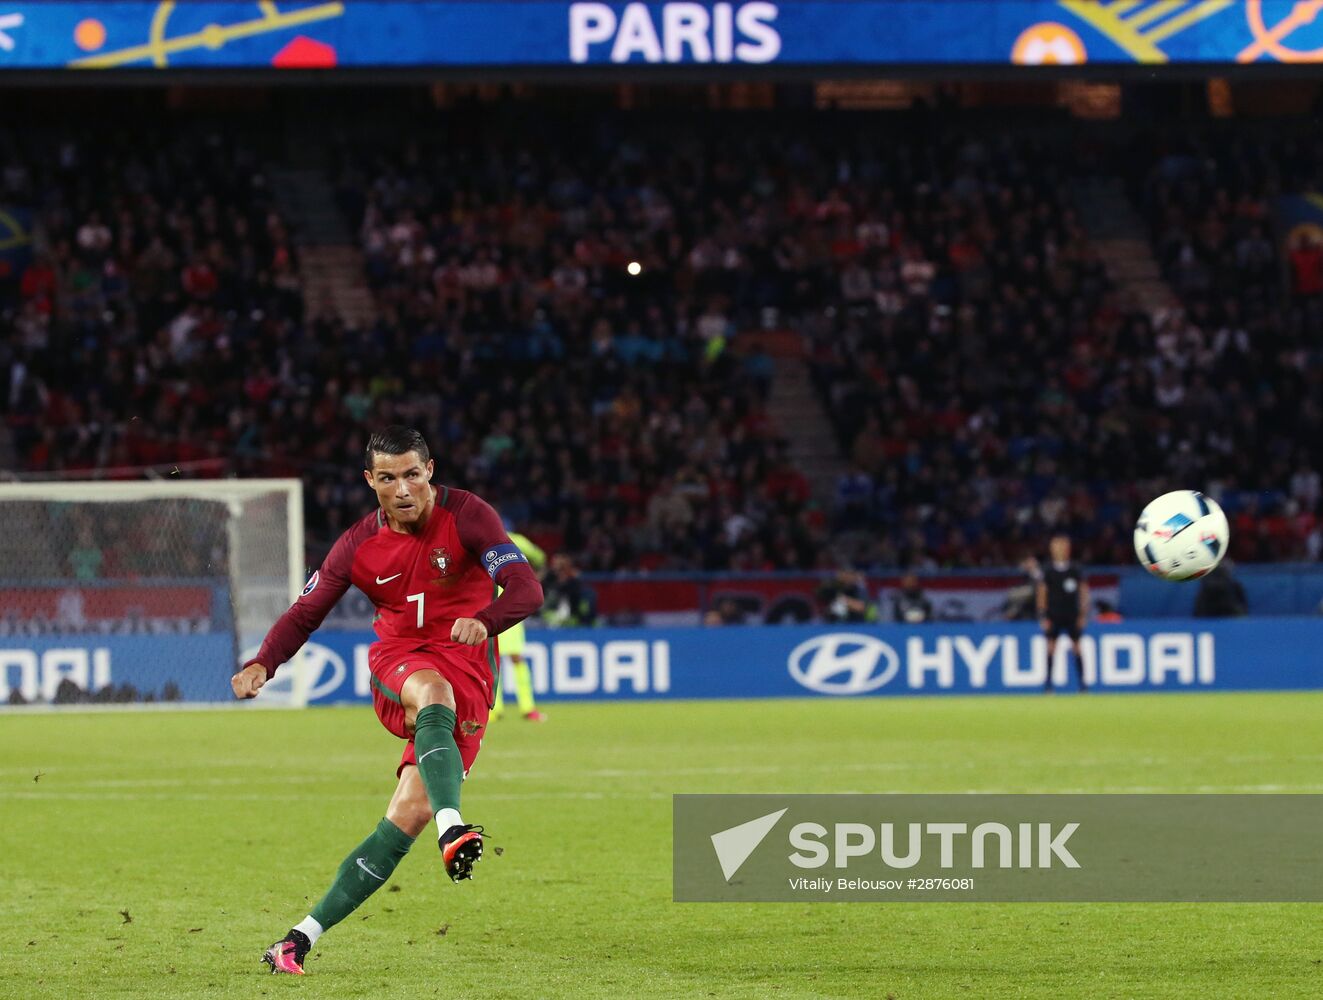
<point>142,590</point>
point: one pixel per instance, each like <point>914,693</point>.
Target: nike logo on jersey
<point>389,578</point>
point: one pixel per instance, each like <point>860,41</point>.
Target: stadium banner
<point>138,34</point>
<point>1270,588</point>
<point>723,662</point>
<point>160,667</point>
<point>663,600</point>
<point>858,660</point>
<point>997,848</point>
<point>112,607</point>
<point>791,598</point>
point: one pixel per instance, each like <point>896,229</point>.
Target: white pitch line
<point>481,796</point>
<point>45,708</point>
<point>373,761</point>
<point>187,782</point>
<point>488,774</point>
<point>298,797</point>
<point>515,774</point>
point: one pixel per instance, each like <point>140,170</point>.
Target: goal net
<point>141,591</point>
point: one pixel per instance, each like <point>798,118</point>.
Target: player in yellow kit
<point>513,664</point>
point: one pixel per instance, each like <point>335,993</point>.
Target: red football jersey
<point>418,582</point>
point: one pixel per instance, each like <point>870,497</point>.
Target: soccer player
<point>512,646</point>
<point>1063,604</point>
<point>428,559</point>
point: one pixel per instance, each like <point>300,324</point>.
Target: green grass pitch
<point>159,853</point>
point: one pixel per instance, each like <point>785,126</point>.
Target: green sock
<point>362,873</point>
<point>438,756</point>
<point>523,678</point>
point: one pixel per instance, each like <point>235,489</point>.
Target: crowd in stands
<point>961,357</point>
<point>1236,369</point>
<point>150,317</point>
<point>912,268</point>
<point>572,311</point>
<point>991,385</point>
<point>575,302</point>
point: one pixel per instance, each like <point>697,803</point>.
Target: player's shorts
<point>1057,627</point>
<point>391,667</point>
<point>512,640</point>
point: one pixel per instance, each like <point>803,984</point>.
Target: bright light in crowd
<point>634,268</point>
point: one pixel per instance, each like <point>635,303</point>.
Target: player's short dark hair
<point>395,440</point>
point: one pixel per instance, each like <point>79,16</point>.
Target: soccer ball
<point>1181,535</point>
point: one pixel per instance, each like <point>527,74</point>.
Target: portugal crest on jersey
<point>441,560</point>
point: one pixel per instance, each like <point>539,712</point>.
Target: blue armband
<point>501,555</point>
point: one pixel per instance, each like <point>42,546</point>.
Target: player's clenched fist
<point>248,681</point>
<point>469,631</point>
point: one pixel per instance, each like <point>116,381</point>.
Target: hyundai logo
<point>319,667</point>
<point>324,669</point>
<point>843,663</point>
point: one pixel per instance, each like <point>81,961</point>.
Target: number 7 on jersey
<point>419,599</point>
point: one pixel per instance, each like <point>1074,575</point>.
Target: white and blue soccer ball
<point>1181,535</point>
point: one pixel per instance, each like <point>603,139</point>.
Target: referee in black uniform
<point>1063,604</point>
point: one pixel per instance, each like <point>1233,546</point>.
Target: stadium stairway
<point>330,262</point>
<point>1120,236</point>
<point>798,412</point>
